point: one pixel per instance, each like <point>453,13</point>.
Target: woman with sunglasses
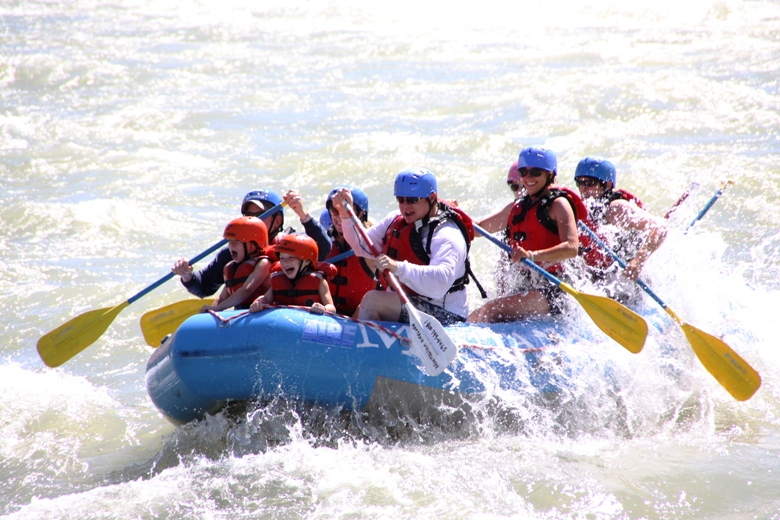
<point>542,227</point>
<point>619,219</point>
<point>422,245</point>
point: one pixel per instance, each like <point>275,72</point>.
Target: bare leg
<point>380,306</point>
<point>512,307</point>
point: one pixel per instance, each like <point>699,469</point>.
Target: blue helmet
<point>359,199</point>
<point>597,167</point>
<point>266,198</point>
<point>417,182</point>
<point>538,157</point>
<point>325,220</point>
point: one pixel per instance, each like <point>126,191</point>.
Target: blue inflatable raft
<point>338,363</point>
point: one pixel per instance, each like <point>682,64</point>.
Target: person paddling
<point>247,274</point>
<point>618,217</point>
<point>298,281</point>
<point>356,275</point>
<point>423,244</point>
<point>541,226</point>
<point>205,282</point>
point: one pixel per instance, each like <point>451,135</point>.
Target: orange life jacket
<point>236,274</point>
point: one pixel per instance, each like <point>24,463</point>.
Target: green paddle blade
<point>617,321</point>
<point>732,372</point>
<point>158,323</point>
<point>430,342</point>
<point>67,340</point>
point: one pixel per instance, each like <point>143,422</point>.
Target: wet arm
<point>497,221</point>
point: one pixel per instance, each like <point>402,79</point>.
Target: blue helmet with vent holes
<point>538,157</point>
<point>598,168</point>
<point>417,182</point>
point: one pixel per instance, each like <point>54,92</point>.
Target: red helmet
<point>247,229</point>
<point>299,246</point>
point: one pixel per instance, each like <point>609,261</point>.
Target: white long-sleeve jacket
<point>448,262</point>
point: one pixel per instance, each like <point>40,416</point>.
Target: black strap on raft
<point>424,252</point>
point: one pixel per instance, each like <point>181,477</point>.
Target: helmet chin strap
<point>547,183</point>
<point>431,205</point>
<point>273,232</point>
<point>300,269</point>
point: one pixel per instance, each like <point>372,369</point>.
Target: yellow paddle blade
<point>617,321</point>
<point>732,372</point>
<point>160,322</point>
<point>67,340</point>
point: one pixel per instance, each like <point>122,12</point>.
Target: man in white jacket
<point>422,245</point>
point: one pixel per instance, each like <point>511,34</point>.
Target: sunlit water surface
<point>130,130</point>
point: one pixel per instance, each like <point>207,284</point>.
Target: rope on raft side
<point>376,326</point>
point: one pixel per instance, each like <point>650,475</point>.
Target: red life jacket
<point>304,290</point>
<point>236,275</point>
<point>353,279</point>
<point>593,255</point>
<point>531,227</point>
<point>403,241</point>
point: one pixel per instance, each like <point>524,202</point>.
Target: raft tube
<point>335,362</point>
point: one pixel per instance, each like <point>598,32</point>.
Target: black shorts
<point>525,281</point>
<point>444,316</point>
<point>555,298</point>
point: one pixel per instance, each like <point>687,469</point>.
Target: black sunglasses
<point>513,186</point>
<point>408,200</point>
<point>257,213</point>
<point>533,172</point>
<point>587,182</point>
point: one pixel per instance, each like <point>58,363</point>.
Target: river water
<point>130,130</point>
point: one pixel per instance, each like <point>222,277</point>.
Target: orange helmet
<point>299,246</point>
<point>247,229</point>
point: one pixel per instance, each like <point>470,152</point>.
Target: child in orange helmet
<point>247,275</point>
<point>297,281</point>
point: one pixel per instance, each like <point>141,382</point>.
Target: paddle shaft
<point>682,198</point>
<point>340,257</point>
<point>526,261</point>
<point>707,207</point>
<point>168,276</point>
